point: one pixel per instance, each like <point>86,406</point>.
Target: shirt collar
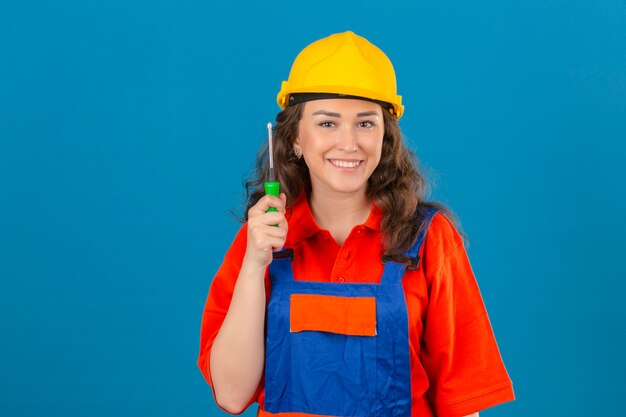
<point>302,225</point>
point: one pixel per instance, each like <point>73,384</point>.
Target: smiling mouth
<point>345,164</point>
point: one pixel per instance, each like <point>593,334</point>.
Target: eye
<point>365,123</point>
<point>327,123</point>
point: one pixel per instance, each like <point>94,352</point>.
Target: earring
<point>297,152</point>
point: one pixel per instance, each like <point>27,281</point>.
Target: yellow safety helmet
<point>346,65</point>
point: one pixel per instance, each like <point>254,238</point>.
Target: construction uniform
<point>349,335</point>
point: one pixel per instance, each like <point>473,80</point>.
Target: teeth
<point>345,164</point>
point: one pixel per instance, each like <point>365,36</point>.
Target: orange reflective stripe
<point>355,316</point>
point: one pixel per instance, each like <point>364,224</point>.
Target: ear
<point>296,146</point>
<point>297,150</point>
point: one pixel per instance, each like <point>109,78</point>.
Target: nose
<point>348,140</point>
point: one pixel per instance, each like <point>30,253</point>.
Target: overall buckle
<point>411,263</point>
<point>285,253</point>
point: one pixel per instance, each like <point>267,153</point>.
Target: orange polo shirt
<point>456,368</point>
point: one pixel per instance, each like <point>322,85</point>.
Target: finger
<point>270,218</point>
<point>264,204</point>
<point>274,231</point>
<point>277,202</point>
<point>271,244</point>
<point>277,245</point>
<point>258,233</point>
<point>283,224</point>
<point>261,233</point>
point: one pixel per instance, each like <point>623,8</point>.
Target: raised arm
<point>237,356</point>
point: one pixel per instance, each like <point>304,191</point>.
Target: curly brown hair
<point>396,186</point>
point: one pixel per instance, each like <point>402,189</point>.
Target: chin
<point>347,189</point>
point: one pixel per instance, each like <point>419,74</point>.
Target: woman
<point>371,308</point>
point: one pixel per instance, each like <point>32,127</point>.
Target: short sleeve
<point>459,351</point>
<point>218,302</point>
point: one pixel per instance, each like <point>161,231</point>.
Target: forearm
<point>237,356</point>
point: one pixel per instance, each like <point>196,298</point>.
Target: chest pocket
<point>350,316</point>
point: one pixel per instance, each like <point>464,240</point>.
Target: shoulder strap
<point>394,270</point>
<point>425,217</point>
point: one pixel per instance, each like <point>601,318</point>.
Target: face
<point>341,142</point>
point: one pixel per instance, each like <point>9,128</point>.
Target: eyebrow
<point>333,114</point>
<point>326,113</point>
<point>367,113</point>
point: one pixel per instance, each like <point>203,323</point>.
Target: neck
<point>339,213</point>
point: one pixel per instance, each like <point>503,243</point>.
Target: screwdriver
<point>272,187</point>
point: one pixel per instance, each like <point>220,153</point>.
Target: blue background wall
<point>126,127</point>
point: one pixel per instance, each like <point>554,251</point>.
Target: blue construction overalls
<point>324,371</point>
